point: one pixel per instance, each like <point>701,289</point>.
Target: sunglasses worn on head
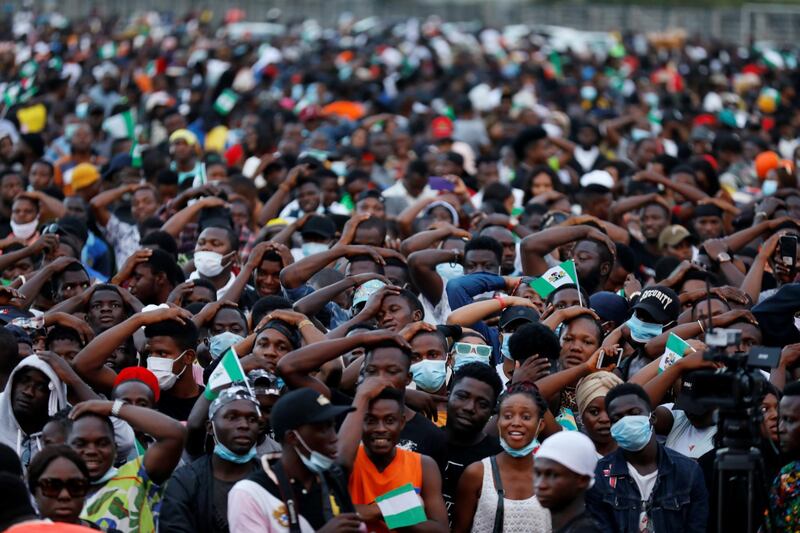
<point>52,487</point>
<point>466,348</point>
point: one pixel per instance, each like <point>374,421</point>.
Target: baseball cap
<point>660,302</point>
<point>441,128</point>
<point>301,407</point>
<point>686,400</point>
<point>573,450</point>
<point>673,235</point>
<point>319,226</point>
<point>365,290</point>
<point>117,163</point>
<point>597,179</point>
<point>84,175</point>
<point>609,306</point>
<point>183,135</point>
<point>9,313</point>
<point>519,314</point>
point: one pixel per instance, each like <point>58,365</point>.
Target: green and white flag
<point>401,507</point>
<point>136,155</point>
<point>557,276</point>
<point>226,101</point>
<point>676,349</point>
<point>121,125</point>
<point>229,370</point>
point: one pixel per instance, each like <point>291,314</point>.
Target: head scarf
<point>594,386</point>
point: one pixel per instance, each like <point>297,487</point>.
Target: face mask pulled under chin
<point>24,231</point>
<point>316,462</point>
<point>161,367</point>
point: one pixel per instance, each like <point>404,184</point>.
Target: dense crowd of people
<point>362,277</point>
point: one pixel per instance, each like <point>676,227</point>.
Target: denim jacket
<point>679,502</point>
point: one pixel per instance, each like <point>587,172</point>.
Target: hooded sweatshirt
<point>11,434</point>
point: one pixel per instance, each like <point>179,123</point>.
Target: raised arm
<point>353,425</point>
<point>422,269</point>
<point>755,274</point>
<point>100,203</point>
<point>90,363</point>
<point>405,220</point>
<point>179,220</point>
<point>45,242</point>
<point>567,148</point>
<point>254,260</point>
<point>314,302</point>
<point>535,247</point>
<point>49,207</point>
<point>614,232</point>
<point>631,203</point>
<point>31,288</point>
<point>426,240</point>
<point>278,199</point>
<point>690,192</point>
<point>163,455</point>
<point>300,272</point>
<point>477,311</point>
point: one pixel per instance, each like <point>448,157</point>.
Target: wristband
<point>699,323</point>
<point>501,300</point>
<point>116,406</point>
<point>303,323</point>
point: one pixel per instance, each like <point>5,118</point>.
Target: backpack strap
<point>498,485</point>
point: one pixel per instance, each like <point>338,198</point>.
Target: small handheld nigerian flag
<point>557,276</point>
<point>229,370</point>
<point>121,125</point>
<point>136,155</point>
<point>676,348</point>
<point>226,101</point>
<point>401,507</point>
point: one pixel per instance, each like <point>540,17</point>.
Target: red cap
<point>138,373</point>
<point>441,128</point>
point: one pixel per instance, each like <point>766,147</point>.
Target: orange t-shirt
<point>367,483</point>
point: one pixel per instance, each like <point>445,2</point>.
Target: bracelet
<point>501,300</point>
<point>699,323</point>
<point>303,323</point>
<point>116,406</point>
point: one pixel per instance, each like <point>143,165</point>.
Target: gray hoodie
<point>11,434</point>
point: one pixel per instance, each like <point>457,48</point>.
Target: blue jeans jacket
<point>679,501</point>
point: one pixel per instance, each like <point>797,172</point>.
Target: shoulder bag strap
<point>498,485</point>
<point>287,495</point>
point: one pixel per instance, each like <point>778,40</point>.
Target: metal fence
<point>777,23</point>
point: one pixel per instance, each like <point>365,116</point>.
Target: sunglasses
<point>465,348</point>
<point>52,487</point>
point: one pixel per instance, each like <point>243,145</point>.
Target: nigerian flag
<point>401,507</point>
<point>226,101</point>
<point>136,155</point>
<point>121,125</point>
<point>229,370</point>
<point>676,348</point>
<point>557,276</point>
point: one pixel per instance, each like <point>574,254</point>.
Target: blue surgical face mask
<point>219,343</point>
<point>632,432</point>
<point>311,248</point>
<point>225,453</point>
<point>521,452</point>
<point>315,462</point>
<point>504,346</point>
<point>429,374</point>
<point>105,478</point>
<point>462,360</point>
<point>769,187</point>
<point>643,331</point>
<point>449,271</point>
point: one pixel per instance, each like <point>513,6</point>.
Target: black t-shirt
<point>422,436</point>
<point>583,523</point>
<point>645,261</point>
<point>177,408</point>
<point>457,459</point>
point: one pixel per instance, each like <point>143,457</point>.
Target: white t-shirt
<point>646,483</point>
<point>686,439</point>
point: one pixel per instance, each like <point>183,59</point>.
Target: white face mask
<point>161,367</point>
<point>208,264</point>
<point>24,231</point>
<point>797,323</point>
<point>311,248</point>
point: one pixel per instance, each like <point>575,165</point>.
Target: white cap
<point>597,177</point>
<point>571,449</point>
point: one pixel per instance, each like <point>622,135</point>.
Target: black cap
<point>660,302</point>
<point>686,400</point>
<point>518,313</point>
<point>320,226</point>
<point>117,163</point>
<point>301,407</point>
<point>9,313</point>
